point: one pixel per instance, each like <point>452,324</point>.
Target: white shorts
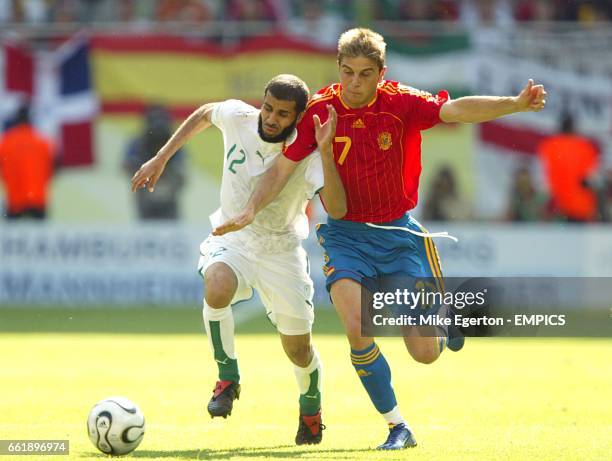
<point>282,281</point>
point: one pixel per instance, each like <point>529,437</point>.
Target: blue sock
<point>375,375</point>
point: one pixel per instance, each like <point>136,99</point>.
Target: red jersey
<point>377,147</point>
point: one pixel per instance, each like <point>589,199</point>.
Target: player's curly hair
<point>288,87</point>
<point>362,42</point>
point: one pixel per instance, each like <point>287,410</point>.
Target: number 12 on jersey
<point>236,161</point>
<point>345,148</point>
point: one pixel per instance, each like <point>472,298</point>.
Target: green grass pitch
<point>498,399</point>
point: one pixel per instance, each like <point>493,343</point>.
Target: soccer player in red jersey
<point>377,149</point>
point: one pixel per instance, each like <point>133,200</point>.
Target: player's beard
<point>279,137</point>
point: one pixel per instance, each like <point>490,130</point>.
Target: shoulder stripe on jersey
<point>411,91</point>
<point>328,94</point>
<point>318,100</point>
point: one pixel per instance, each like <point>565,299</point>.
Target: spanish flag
<point>183,73</point>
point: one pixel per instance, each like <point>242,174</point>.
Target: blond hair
<point>362,42</point>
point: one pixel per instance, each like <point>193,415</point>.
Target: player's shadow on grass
<point>281,451</point>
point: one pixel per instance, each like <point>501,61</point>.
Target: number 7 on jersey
<point>345,149</point>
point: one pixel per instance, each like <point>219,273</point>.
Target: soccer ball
<point>115,426</point>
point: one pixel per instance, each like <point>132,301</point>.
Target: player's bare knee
<point>427,358</point>
<point>217,294</point>
<point>220,285</point>
<point>425,355</point>
<point>217,300</point>
<point>423,349</point>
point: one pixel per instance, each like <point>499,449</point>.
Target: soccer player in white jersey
<point>267,255</point>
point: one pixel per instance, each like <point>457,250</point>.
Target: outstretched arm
<point>149,173</point>
<point>266,190</point>
<point>476,109</point>
<point>333,194</point>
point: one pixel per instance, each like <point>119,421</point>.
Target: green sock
<point>309,383</point>
<point>219,324</point>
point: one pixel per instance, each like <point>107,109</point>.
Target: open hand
<point>236,223</point>
<point>324,133</point>
<point>148,174</point>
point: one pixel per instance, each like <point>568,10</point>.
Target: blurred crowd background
<point>466,12</point>
<point>432,44</point>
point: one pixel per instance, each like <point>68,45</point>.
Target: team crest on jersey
<point>384,140</point>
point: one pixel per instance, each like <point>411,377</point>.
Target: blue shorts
<point>357,251</point>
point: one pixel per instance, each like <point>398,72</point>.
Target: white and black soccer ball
<point>116,426</point>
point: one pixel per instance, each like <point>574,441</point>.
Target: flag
<point>16,81</point>
<point>182,73</point>
<point>64,103</point>
<point>58,85</point>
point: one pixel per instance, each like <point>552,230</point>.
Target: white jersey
<point>283,223</point>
